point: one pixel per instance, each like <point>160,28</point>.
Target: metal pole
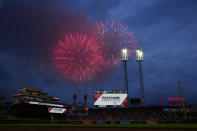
<point>85,100</point>
<point>125,76</point>
<point>141,83</point>
<point>160,101</point>
<point>74,100</point>
<point>183,104</point>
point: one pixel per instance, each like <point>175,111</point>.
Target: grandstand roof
<point>30,89</point>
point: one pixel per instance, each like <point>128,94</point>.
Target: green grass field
<point>182,126</point>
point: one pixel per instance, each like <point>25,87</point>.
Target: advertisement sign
<point>100,122</point>
<point>57,110</point>
<point>110,99</point>
<point>125,122</point>
<point>176,99</point>
<point>87,122</point>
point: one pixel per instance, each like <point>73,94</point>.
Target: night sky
<point>166,30</point>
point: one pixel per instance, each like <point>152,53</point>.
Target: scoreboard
<point>110,98</point>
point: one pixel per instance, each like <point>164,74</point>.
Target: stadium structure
<point>35,106</point>
<point>35,103</point>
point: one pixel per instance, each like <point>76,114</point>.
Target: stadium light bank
<point>124,61</point>
<point>139,59</point>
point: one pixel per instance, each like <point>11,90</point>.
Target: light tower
<point>124,61</point>
<point>139,59</point>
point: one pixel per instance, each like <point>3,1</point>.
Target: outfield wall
<point>37,121</point>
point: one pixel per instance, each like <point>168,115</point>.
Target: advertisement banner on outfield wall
<point>100,122</point>
<point>57,110</point>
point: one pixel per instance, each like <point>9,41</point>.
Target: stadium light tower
<point>124,61</point>
<point>139,59</point>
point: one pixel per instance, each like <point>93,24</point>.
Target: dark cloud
<point>97,9</point>
<point>100,8</point>
<point>29,30</point>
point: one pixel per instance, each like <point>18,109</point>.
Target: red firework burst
<point>79,57</point>
<point>114,37</point>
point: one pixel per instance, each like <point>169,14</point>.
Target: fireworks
<point>79,57</point>
<point>113,37</point>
